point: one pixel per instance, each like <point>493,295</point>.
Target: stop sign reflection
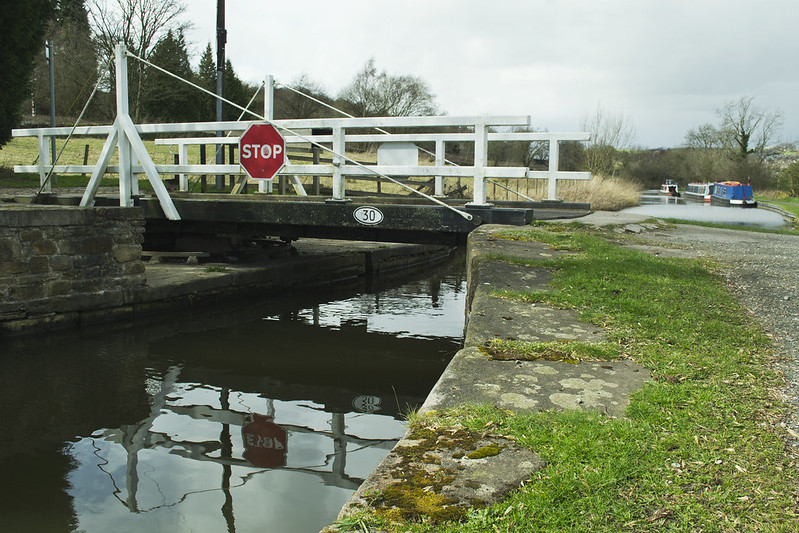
<point>265,443</point>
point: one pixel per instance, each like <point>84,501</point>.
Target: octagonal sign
<point>262,151</point>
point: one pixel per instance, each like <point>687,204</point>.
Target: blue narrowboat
<point>732,194</point>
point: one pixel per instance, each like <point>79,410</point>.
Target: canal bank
<point>63,267</point>
<point>440,474</point>
<point>442,470</point>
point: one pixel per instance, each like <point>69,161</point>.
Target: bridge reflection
<point>166,429</point>
<point>118,430</point>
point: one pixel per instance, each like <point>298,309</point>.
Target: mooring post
<point>85,157</point>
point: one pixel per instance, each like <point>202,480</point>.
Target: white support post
<point>440,159</point>
<point>269,97</point>
<point>554,154</point>
<point>480,163</point>
<point>183,159</point>
<point>265,186</point>
<point>123,143</point>
<point>128,141</point>
<point>339,184</point>
<point>44,162</point>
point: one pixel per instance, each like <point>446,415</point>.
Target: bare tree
<point>139,25</point>
<point>705,137</point>
<point>609,134</point>
<point>374,93</point>
<point>705,157</point>
<point>746,129</point>
<point>289,103</point>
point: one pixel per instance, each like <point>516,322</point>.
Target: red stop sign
<point>262,151</point>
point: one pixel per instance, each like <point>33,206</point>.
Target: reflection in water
<point>662,206</point>
<point>258,417</point>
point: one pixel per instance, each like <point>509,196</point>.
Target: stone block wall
<point>58,262</point>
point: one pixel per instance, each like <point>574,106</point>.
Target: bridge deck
<point>291,217</point>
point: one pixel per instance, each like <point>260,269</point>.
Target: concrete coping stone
<point>518,386</point>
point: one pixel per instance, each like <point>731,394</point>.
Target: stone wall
<point>58,263</point>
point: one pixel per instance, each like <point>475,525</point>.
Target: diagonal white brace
<point>139,149</point>
<point>99,169</point>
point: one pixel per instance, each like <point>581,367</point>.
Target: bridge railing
<point>343,132</point>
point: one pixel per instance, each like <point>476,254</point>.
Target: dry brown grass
<point>604,194</point>
<point>601,193</point>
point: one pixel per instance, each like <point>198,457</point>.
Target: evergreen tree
<point>207,80</point>
<point>23,23</point>
<point>74,10</point>
<point>163,97</point>
<point>75,61</point>
<point>235,91</point>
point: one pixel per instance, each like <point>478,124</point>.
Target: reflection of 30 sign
<point>367,215</point>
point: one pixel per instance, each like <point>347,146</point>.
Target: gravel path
<point>762,270</point>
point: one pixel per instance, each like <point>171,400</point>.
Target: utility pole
<point>48,51</point>
<point>221,39</point>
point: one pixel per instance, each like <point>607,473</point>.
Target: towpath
<point>761,270</point>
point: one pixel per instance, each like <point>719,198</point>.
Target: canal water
<point>261,416</point>
<point>658,205</point>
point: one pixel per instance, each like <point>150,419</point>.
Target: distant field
<point>603,194</point>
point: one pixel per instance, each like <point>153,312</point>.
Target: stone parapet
<point>61,260</point>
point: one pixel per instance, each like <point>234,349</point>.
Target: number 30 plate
<point>368,215</point>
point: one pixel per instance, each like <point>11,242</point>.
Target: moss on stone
<point>419,480</point>
<point>565,351</point>
<point>486,451</point>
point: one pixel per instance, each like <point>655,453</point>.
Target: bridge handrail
<point>437,171</point>
<point>339,169</point>
<point>393,138</point>
<point>291,124</point>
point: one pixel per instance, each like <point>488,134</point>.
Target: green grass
<point>733,226</point>
<point>31,181</point>
<point>700,449</point>
<point>790,204</point>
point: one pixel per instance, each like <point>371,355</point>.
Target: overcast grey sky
<point>665,66</point>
